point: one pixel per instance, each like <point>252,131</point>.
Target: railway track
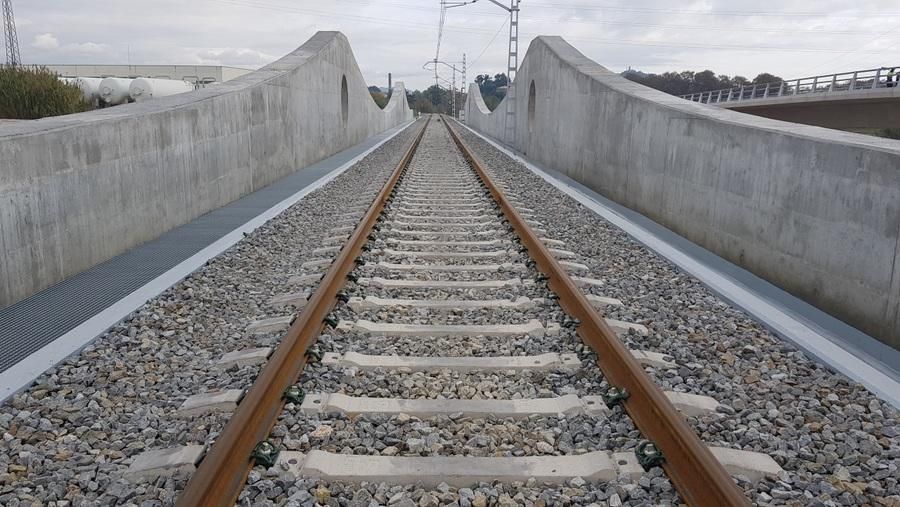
<point>449,344</point>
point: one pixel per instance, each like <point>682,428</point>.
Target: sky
<point>789,38</point>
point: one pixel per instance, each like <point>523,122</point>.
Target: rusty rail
<point>221,475</point>
<point>697,475</point>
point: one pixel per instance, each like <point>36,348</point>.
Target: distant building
<point>191,73</point>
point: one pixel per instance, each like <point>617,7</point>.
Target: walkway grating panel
<point>30,324</point>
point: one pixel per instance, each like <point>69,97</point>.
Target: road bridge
<point>859,99</point>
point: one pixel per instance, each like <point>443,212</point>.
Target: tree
<point>687,82</point>
<point>380,99</point>
<point>738,81</point>
<point>493,89</point>
<point>765,77</point>
<point>706,80</point>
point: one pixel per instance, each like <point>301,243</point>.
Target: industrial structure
<point>10,37</point>
<point>191,73</point>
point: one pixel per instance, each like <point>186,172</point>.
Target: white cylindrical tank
<point>145,88</point>
<point>114,90</point>
<point>90,86</point>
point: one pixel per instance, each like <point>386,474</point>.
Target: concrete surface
<point>814,211</point>
<point>316,263</point>
<point>548,361</point>
<point>692,404</point>
<point>443,255</point>
<point>654,359</point>
<point>600,301</point>
<point>205,403</point>
<point>295,299</point>
<point>164,462</point>
<point>245,357</point>
<point>532,328</point>
<point>458,471</point>
<point>79,189</point>
<point>752,465</point>
<point>391,283</point>
<point>270,325</point>
<point>42,330</point>
<point>448,268</point>
<point>192,73</point>
<point>830,341</point>
<point>353,406</point>
<point>359,304</point>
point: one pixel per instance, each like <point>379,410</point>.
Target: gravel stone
<point>68,438</point>
<point>837,442</point>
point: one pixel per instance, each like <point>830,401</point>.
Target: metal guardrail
<point>829,83</point>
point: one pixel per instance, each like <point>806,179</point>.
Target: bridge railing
<point>829,83</point>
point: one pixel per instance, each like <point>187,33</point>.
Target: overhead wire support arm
<point>507,9</point>
<point>452,89</point>
<point>512,58</point>
<point>445,4</point>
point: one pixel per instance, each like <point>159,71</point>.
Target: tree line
<point>493,88</point>
<point>687,81</point>
<point>436,99</point>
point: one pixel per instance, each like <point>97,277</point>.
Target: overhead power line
<point>471,30</point>
<point>666,26</point>
<point>450,28</point>
<point>488,45</point>
<point>713,12</point>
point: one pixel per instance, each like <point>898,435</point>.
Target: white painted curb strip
<point>780,322</point>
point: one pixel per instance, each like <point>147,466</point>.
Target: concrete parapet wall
<point>77,190</point>
<point>814,211</point>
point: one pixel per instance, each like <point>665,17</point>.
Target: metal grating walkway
<point>30,324</point>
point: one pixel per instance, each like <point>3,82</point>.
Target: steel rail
<point>223,472</point>
<point>696,474</point>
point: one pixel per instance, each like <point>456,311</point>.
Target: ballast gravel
<point>452,435</point>
<point>837,442</point>
<point>68,439</point>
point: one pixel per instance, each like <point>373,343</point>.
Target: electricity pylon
<point>10,37</point>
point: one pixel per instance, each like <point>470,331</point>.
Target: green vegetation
<point>889,133</point>
<point>378,96</point>
<point>685,82</point>
<point>492,89</point>
<point>433,100</point>
<point>29,93</point>
<point>437,100</point>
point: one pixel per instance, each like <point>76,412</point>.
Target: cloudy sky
<point>790,38</point>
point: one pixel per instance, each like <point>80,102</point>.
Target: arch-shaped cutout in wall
<point>531,101</point>
<point>345,100</point>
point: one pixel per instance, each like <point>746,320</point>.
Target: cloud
<point>45,41</point>
<point>233,56</point>
<point>790,38</point>
<point>49,42</point>
<point>86,47</point>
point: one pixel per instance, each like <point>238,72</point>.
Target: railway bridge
<point>274,292</point>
